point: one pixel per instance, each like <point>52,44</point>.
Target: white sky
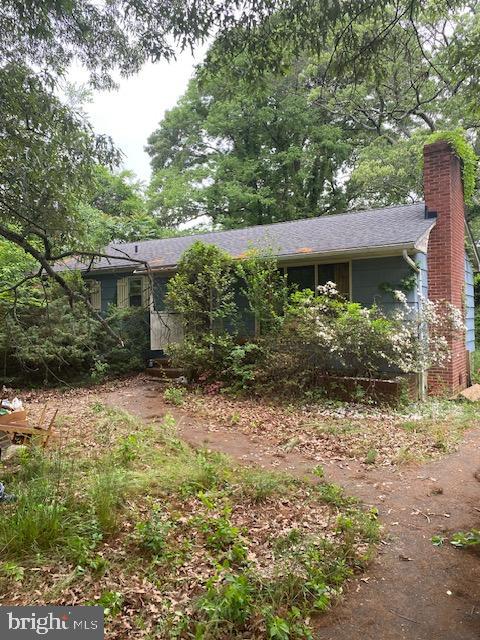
<point>130,114</point>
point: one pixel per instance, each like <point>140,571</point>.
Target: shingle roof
<point>390,227</point>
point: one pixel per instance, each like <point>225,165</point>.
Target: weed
<point>174,395</point>
<point>111,601</point>
<point>437,541</point>
<point>440,440</point>
<point>235,418</point>
<point>371,456</point>
<point>207,471</point>
<point>152,534</point>
<point>12,570</point>
<point>40,520</point>
<point>261,485</point>
<point>106,495</point>
<point>97,407</point>
<point>406,455</point>
<point>469,539</point>
<point>288,540</point>
<point>319,471</point>
<point>334,494</point>
<point>227,601</point>
<point>413,426</point>
<point>333,428</point>
<point>287,627</point>
<point>461,539</point>
<point>127,449</point>
<point>218,530</point>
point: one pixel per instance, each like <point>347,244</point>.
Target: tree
<point>117,209</point>
<point>308,140</point>
<point>417,84</point>
<point>117,194</point>
<point>246,152</point>
<point>47,151</point>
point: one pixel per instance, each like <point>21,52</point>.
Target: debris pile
<point>7,407</point>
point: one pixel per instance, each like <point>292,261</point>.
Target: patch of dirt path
<point>413,590</point>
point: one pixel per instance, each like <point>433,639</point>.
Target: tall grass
<point>68,503</point>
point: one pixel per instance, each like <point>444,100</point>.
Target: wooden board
<point>471,393</point>
<point>14,416</point>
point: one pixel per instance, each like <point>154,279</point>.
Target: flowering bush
<point>302,337</point>
<point>326,334</point>
<point>422,337</point>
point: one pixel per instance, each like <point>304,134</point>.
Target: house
<point>366,253</point>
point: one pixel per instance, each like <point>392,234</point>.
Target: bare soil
<point>412,590</point>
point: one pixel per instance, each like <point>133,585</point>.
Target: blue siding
<point>421,260</point>
<point>469,306</point>
<point>368,276</point>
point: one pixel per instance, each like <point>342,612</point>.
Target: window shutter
<point>342,279</point>
<point>122,293</point>
<point>96,294</point>
<point>146,293</point>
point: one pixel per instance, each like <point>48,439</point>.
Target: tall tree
<point>47,150</point>
<point>308,140</point>
<point>245,151</point>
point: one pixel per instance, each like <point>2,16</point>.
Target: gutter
<point>358,252</point>
<point>422,374</point>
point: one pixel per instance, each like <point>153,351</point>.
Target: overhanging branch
<point>48,269</point>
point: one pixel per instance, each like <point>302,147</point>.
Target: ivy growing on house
<point>465,152</point>
<point>406,284</point>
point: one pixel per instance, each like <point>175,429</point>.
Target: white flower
<point>328,289</point>
<point>400,296</point>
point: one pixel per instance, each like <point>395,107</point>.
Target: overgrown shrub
<point>202,290</point>
<point>55,342</point>
<point>326,334</point>
<point>203,356</point>
<point>303,335</point>
<point>132,326</point>
<point>215,295</point>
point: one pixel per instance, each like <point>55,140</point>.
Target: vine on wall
<point>465,152</point>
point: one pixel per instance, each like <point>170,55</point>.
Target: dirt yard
<point>412,590</point>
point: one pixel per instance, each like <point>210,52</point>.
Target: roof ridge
<point>275,224</point>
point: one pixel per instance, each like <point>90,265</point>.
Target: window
<point>310,276</point>
<point>135,292</point>
<point>132,291</point>
<point>339,273</point>
<point>302,277</point>
<point>159,292</point>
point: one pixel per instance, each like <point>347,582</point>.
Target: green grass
<point>156,501</point>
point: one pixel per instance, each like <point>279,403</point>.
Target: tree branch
<point>72,295</point>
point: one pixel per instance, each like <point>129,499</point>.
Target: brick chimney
<point>443,189</point>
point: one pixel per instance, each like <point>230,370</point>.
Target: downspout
<point>422,373</point>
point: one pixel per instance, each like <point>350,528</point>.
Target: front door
<point>165,326</point>
<point>165,329</point>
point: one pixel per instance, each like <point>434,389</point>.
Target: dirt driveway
<point>412,590</point>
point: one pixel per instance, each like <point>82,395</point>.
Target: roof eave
<point>354,252</point>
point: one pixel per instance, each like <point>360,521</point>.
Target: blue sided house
<point>365,253</point>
